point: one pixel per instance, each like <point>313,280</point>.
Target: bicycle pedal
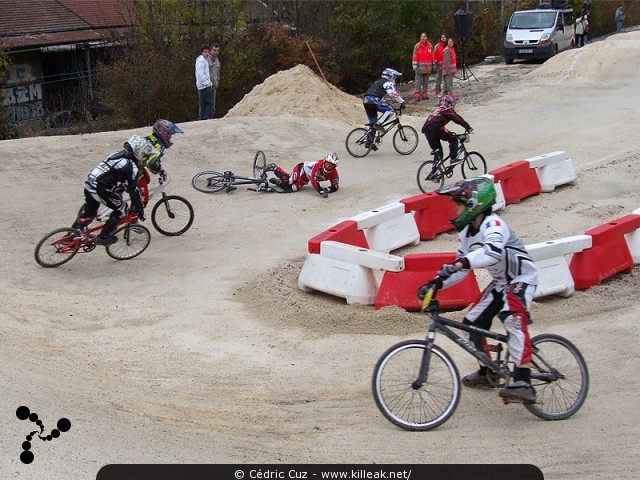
<point>507,401</point>
<point>230,188</point>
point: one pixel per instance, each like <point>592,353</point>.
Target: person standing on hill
<point>422,61</point>
<point>449,67</point>
<point>438,61</point>
<point>214,72</point>
<point>619,18</point>
<point>204,85</point>
<point>581,30</point>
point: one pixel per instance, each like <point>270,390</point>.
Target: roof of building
<point>37,23</point>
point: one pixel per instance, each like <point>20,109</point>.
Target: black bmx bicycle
<point>432,173</point>
<point>361,141</point>
<point>416,384</point>
<point>211,182</point>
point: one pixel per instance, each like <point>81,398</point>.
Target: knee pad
<point>514,322</point>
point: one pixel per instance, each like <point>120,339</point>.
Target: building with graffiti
<point>54,47</point>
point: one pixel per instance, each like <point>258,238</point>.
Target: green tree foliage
<point>370,35</point>
<point>153,76</point>
<point>353,41</point>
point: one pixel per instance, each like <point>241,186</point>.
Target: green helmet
<point>477,194</point>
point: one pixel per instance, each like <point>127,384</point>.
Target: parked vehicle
<point>539,33</point>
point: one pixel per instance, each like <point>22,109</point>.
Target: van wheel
<point>508,61</point>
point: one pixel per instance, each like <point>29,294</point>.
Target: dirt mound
<point>299,92</point>
<point>614,59</point>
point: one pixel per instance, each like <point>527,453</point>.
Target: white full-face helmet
<point>332,158</point>
<point>390,73</point>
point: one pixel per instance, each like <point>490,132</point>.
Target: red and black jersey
<point>440,117</point>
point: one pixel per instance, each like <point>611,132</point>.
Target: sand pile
<point>614,59</point>
<point>299,92</point>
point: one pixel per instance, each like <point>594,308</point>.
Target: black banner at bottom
<point>319,472</point>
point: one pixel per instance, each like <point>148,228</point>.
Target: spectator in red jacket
<point>422,62</point>
<point>449,67</point>
<point>438,61</point>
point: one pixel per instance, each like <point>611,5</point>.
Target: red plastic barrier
<point>609,253</point>
<point>432,213</point>
<point>344,232</point>
<point>518,181</point>
<point>401,288</point>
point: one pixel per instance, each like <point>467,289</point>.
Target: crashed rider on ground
<point>311,171</point>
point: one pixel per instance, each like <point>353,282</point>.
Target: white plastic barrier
<point>553,169</point>
<point>554,275</point>
<point>633,241</point>
<point>388,228</point>
<point>346,271</point>
<point>500,200</point>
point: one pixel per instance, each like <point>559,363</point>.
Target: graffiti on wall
<point>23,101</point>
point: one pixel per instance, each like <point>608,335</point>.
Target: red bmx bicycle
<point>61,245</point>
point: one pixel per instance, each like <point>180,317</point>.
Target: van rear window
<point>532,20</point>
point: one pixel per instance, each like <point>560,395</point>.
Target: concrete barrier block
<point>518,181</point>
<point>553,169</point>
<point>345,232</point>
<point>388,228</point>
<point>379,215</point>
<point>559,247</point>
<point>633,241</point>
<point>554,276</point>
<point>393,234</point>
<point>362,256</point>
<point>355,283</point>
<point>401,288</point>
<point>432,213</point>
<point>500,201</point>
<point>608,255</point>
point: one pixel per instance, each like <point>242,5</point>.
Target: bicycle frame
<point>461,153</point>
<point>388,126</point>
<point>236,180</point>
<point>442,324</point>
<point>89,235</point>
<point>445,325</point>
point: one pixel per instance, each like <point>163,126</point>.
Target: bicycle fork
<point>167,206</point>
<point>424,365</point>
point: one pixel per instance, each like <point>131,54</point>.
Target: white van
<point>539,34</point>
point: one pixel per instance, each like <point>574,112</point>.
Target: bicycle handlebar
<point>426,301</point>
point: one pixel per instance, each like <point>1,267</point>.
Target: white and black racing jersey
<point>117,169</point>
<point>498,249</point>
